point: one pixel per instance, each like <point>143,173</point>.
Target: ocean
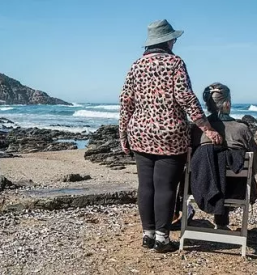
<point>82,117</point>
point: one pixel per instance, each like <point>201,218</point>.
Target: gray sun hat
<point>161,31</point>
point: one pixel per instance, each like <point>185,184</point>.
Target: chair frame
<point>218,235</point>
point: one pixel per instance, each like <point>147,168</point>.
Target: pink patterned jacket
<point>156,98</point>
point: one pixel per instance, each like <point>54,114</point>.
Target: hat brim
<point>166,38</point>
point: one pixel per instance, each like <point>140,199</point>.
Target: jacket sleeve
<point>127,105</point>
<point>184,94</point>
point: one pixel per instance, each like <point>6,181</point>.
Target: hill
<point>13,92</point>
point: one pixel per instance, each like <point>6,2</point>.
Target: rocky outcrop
<point>104,147</point>
<point>6,184</point>
<point>13,92</point>
<point>39,140</point>
<point>252,123</point>
<point>21,140</point>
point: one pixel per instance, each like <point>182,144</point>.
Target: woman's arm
<point>188,101</point>
<point>127,107</point>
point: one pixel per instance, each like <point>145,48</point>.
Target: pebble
<point>52,241</point>
<point>73,241</point>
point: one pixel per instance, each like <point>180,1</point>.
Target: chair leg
<point>185,202</point>
<point>181,243</point>
<point>244,221</point>
<point>183,222</point>
<point>244,248</point>
<point>245,218</point>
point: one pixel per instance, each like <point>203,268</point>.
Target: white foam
<point>253,108</point>
<point>85,113</point>
<point>107,107</point>
<point>74,104</point>
<point>6,108</point>
<point>59,128</point>
<point>236,116</point>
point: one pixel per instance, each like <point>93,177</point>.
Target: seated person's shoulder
<point>241,125</point>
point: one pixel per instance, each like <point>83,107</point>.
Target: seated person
<point>236,137</point>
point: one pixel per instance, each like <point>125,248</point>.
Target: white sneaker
<point>222,227</point>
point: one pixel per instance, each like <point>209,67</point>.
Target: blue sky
<point>81,50</point>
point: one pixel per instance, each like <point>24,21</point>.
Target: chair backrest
<point>247,170</point>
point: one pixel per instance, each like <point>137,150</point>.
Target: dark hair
<point>163,46</point>
<point>215,95</point>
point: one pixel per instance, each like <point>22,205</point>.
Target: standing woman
<point>155,100</point>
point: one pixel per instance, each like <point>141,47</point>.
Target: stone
<point>249,119</point>
<point>104,148</point>
<point>75,177</point>
<point>251,122</point>
<point>118,167</point>
<point>6,184</point>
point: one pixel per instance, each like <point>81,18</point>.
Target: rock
<point>249,119</point>
<point>118,167</point>
<point>104,147</point>
<point>252,123</point>
<point>6,184</point>
<point>6,120</point>
<point>37,140</point>
<point>13,92</point>
<point>7,155</point>
<point>75,177</point>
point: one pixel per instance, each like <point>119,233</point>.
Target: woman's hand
<point>205,126</point>
<point>214,136</point>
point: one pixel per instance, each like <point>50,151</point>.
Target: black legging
<point>158,180</point>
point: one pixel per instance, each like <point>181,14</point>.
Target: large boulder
<point>104,147</point>
<point>6,184</point>
<point>252,123</point>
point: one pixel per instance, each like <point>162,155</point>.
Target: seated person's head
<point>217,98</point>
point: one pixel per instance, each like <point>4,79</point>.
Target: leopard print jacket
<point>154,103</point>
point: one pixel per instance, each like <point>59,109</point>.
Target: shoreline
<point>47,168</point>
<point>63,179</point>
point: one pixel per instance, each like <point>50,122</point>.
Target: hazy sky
<point>81,50</point>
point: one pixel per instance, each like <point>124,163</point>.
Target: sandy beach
<point>99,239</point>
<point>47,168</point>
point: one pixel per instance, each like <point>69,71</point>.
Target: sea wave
<point>74,129</point>
<point>237,116</point>
<point>6,108</point>
<point>85,113</point>
<point>74,104</point>
<point>253,108</point>
<point>107,107</point>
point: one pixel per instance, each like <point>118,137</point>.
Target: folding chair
<point>219,235</point>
